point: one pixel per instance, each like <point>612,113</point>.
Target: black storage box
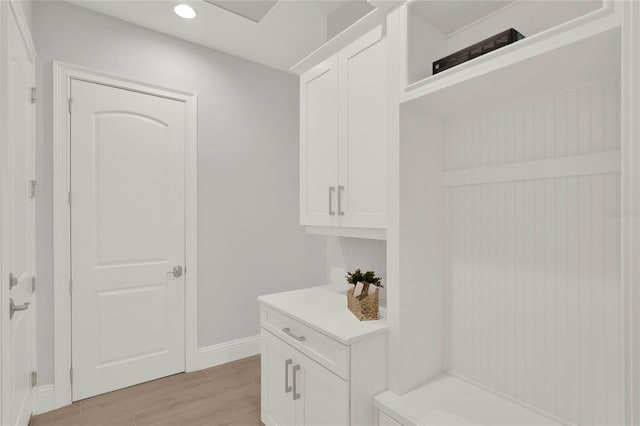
<point>492,43</point>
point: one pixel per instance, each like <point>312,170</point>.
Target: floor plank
<point>228,395</point>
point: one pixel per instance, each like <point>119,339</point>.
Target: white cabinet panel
<point>319,144</point>
<point>277,364</point>
<point>363,132</point>
<point>323,397</point>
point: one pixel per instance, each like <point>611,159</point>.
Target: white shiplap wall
<point>534,288</point>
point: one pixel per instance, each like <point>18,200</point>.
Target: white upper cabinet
<point>319,145</point>
<point>363,132</point>
<point>343,122</point>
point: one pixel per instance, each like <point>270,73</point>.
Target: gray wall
<point>249,240</point>
<point>346,15</point>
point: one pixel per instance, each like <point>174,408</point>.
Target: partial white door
<point>277,405</point>
<point>321,397</point>
<point>362,193</point>
<point>319,145</point>
<point>127,237</point>
<point>18,217</point>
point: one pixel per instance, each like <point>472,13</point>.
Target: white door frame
<point>6,10</point>
<point>63,73</point>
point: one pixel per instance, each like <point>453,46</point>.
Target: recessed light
<point>185,11</point>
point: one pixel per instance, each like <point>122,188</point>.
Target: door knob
<point>176,272</point>
<point>13,308</point>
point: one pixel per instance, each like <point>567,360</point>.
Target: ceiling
<point>250,9</point>
<point>448,16</point>
<point>288,32</point>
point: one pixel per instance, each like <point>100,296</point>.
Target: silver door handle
<point>13,281</point>
<point>296,395</point>
<point>340,190</point>
<point>287,330</point>
<point>331,191</point>
<point>287,363</point>
<point>176,271</point>
<point>13,308</point>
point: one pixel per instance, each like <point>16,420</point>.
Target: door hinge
<point>34,184</point>
<point>34,95</point>
<point>13,281</point>
<point>70,101</point>
<point>69,197</point>
<point>33,284</point>
<point>71,374</point>
<point>34,379</point>
<point>70,286</point>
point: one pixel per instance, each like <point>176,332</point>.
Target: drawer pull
<point>287,330</point>
<point>296,395</point>
<point>287,363</point>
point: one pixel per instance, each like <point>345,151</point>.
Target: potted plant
<point>363,298</point>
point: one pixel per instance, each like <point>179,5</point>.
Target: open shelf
<point>519,72</point>
<point>436,29</point>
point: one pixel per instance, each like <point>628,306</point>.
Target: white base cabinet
<point>320,365</point>
<point>298,391</point>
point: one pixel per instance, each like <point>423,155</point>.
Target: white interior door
<point>18,222</point>
<point>127,236</point>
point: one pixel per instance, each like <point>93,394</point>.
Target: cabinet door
<point>277,404</point>
<point>363,132</point>
<point>322,397</point>
<point>319,145</point>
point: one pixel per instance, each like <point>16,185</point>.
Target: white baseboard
<point>213,355</point>
<point>44,399</point>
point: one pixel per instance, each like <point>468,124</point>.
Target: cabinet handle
<point>331,191</point>
<point>340,190</point>
<point>287,330</point>
<point>287,363</point>
<point>296,395</point>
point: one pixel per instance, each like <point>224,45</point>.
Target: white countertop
<point>325,310</point>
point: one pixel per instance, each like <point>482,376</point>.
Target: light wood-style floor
<point>228,394</point>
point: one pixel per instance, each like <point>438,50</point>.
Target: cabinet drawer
<point>384,420</point>
<point>322,349</point>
